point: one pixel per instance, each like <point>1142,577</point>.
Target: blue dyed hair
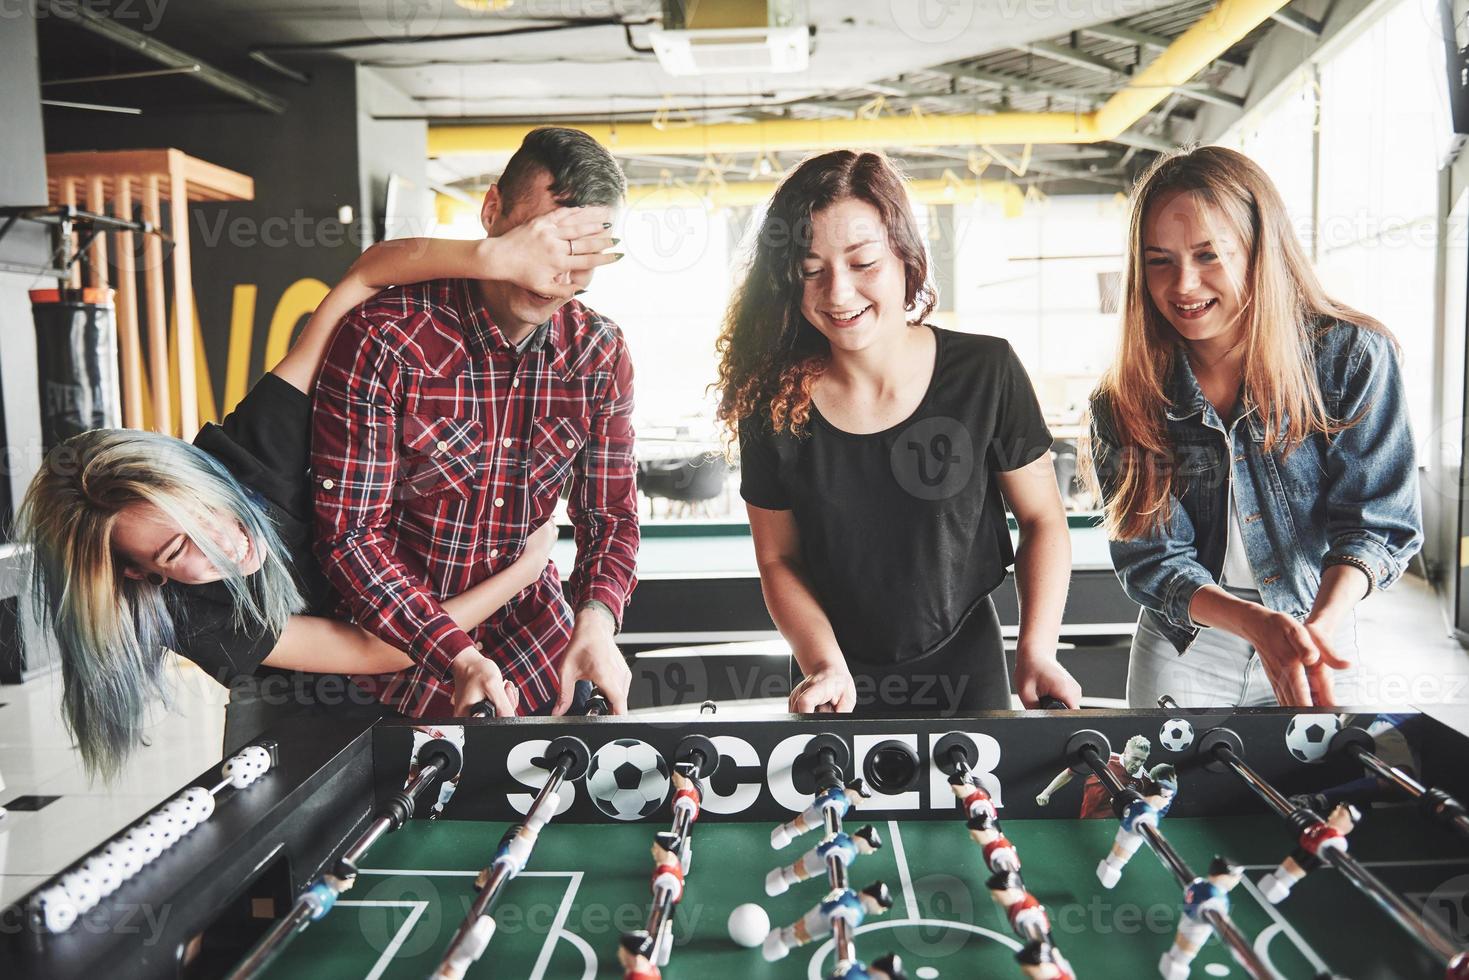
<point>112,629</point>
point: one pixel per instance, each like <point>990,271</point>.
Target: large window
<point>1385,133</point>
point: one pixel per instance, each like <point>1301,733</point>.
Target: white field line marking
<point>910,898</point>
<point>558,926</point>
<point>813,971</point>
<point>1316,962</point>
<point>391,950</point>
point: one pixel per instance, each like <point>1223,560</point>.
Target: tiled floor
<point>1403,631</point>
<point>36,758</point>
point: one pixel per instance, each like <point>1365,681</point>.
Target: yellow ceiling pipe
<point>1189,54</point>
<point>1008,196</point>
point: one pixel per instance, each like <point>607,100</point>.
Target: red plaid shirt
<point>437,448</point>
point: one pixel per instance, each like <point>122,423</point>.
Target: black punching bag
<point>76,362</point>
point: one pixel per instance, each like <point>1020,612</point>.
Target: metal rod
<point>501,873</point>
<point>274,942</point>
<point>319,897</point>
<point>1428,932</point>
<point>97,22</point>
<point>836,872</point>
<point>125,110</point>
<point>122,75</point>
<point>489,894</point>
<point>1223,925</point>
<point>1447,809</point>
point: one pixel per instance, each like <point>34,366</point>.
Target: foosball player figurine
<point>1027,916</point>
<point>974,798</point>
<point>999,853</point>
<point>1318,837</point>
<point>887,967</point>
<point>514,850</point>
<point>1039,960</point>
<point>845,846</point>
<point>635,953</point>
<point>1201,896</point>
<point>1137,809</point>
<point>838,798</point>
<point>688,795</point>
<point>852,907</point>
<point>667,865</point>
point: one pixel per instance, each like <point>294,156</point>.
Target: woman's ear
<point>128,571</point>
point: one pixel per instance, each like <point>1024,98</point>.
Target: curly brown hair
<point>769,354</point>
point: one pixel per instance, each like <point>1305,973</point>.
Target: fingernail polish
<point>616,240</point>
<point>617,255</point>
<point>578,292</point>
<point>606,224</point>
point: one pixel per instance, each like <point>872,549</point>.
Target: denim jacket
<point>1348,499</point>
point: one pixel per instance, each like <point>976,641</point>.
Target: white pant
<point>1221,669</point>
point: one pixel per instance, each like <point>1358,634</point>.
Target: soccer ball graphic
<point>1176,735</point>
<point>627,779</point>
<point>1309,736</point>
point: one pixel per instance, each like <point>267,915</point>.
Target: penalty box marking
<point>548,945</point>
<point>396,943</point>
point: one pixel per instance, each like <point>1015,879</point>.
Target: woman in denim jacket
<point>1252,446</point>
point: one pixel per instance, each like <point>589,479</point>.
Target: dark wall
<point>305,165</point>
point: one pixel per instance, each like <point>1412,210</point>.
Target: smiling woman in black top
<point>878,455</point>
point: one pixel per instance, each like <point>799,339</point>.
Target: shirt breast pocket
<point>440,457</point>
<point>554,444</point>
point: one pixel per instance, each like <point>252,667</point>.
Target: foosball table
<point>1098,844</point>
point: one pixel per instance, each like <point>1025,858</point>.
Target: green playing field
<point>586,884</point>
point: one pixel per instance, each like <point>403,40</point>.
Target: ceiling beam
<point>1017,83</point>
<point>1196,48</point>
<point>83,16</point>
<point>1211,95</point>
<point>1298,21</point>
<point>1074,56</point>
<point>1123,34</point>
<point>1200,93</point>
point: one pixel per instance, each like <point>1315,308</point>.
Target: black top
<point>903,531</point>
<point>266,444</point>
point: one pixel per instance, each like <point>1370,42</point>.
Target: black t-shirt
<point>265,443</point>
<point>903,531</point>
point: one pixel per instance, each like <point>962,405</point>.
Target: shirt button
<point>494,552</point>
<point>328,484</point>
<point>499,501</point>
<point>570,443</point>
<point>507,442</point>
<point>443,446</point>
<point>515,383</point>
<point>479,644</point>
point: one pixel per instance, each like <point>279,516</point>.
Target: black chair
<point>688,482</point>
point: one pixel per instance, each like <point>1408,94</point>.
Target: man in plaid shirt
<point>449,415</point>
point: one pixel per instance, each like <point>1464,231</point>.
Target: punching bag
<point>76,362</point>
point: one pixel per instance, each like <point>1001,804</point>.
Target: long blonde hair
<point>1284,307</point>
<point>112,629</point>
